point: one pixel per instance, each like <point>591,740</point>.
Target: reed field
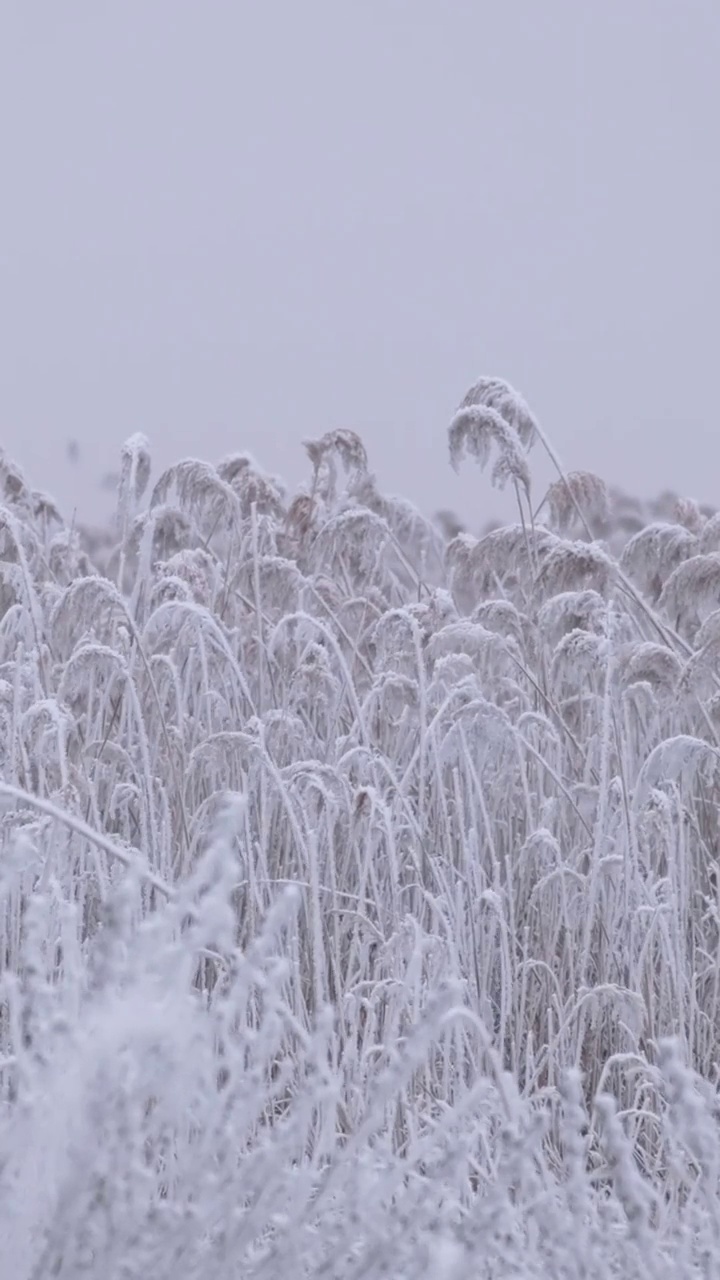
<point>359,885</point>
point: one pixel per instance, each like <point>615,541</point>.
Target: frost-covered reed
<point>359,904</point>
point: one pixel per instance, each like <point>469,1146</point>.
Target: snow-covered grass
<point>359,906</point>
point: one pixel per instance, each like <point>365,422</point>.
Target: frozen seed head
<point>495,393</point>
<point>650,556</point>
<point>472,433</point>
<point>578,495</point>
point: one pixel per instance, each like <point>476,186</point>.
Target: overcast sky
<point>235,224</point>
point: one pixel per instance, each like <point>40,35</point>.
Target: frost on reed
<point>359,885</point>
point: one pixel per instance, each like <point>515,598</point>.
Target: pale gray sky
<point>235,224</point>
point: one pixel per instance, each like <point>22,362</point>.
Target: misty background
<point>233,225</point>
